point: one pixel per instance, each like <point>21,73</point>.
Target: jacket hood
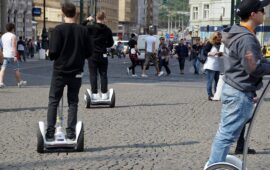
<point>231,34</point>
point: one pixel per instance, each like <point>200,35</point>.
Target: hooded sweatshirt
<point>238,41</point>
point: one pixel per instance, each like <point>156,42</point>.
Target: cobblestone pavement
<point>158,123</point>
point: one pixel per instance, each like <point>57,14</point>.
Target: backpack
<point>202,57</point>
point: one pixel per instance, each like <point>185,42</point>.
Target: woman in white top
<point>9,52</point>
<point>213,63</point>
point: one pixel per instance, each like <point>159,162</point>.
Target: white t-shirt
<point>8,50</point>
<point>213,62</point>
<point>149,41</point>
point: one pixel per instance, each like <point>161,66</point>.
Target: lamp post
<point>81,11</point>
<point>44,31</point>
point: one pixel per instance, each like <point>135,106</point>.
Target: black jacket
<point>101,36</point>
<point>69,47</point>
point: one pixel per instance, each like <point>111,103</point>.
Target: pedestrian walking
<point>196,48</point>
<point>69,47</point>
<point>98,62</point>
<point>244,69</point>
<point>21,49</point>
<point>213,62</point>
<point>151,53</point>
<point>9,44</point>
<point>182,53</point>
<point>164,55</point>
<point>133,55</point>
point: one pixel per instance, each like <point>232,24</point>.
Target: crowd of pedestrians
<point>244,67</point>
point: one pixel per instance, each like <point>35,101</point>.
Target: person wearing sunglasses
<point>244,70</point>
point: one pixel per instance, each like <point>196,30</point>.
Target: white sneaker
<point>144,75</point>
<point>2,85</point>
<point>134,75</point>
<point>22,83</point>
<point>127,71</point>
<point>95,96</point>
<point>160,73</point>
<point>104,96</point>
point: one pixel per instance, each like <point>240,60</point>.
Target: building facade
<point>208,16</point>
<point>145,10</point>
<point>127,17</point>
<point>111,9</point>
<point>18,12</point>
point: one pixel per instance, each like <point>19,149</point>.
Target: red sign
<point>171,36</point>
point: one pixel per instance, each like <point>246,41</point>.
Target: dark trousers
<point>163,62</point>
<point>134,63</point>
<point>58,83</point>
<point>181,61</point>
<point>96,64</point>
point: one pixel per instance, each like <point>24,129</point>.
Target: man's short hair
<point>101,15</point>
<point>10,27</point>
<point>68,9</point>
<point>132,35</point>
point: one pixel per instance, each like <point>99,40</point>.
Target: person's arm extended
<point>54,45</point>
<point>251,58</point>
<point>110,39</point>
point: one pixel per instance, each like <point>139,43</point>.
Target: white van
<point>141,45</point>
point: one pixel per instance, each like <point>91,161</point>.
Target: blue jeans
<point>211,76</point>
<point>196,65</point>
<point>236,110</point>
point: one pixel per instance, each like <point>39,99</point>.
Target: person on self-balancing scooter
<point>244,69</point>
<point>68,48</point>
<point>98,62</point>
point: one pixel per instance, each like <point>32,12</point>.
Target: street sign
<point>36,11</point>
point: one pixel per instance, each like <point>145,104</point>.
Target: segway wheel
<point>40,142</point>
<point>80,142</point>
<point>222,167</point>
<point>87,100</point>
<point>113,100</point>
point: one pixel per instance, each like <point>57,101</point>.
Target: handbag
<point>202,57</point>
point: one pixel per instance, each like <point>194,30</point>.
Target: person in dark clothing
<point>69,47</point>
<point>132,44</point>
<point>21,48</point>
<point>163,56</point>
<point>102,39</point>
<point>182,52</point>
<point>196,48</point>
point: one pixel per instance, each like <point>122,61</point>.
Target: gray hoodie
<point>238,73</point>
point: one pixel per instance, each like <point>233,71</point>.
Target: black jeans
<point>163,62</point>
<point>58,83</point>
<point>181,61</point>
<point>133,65</point>
<point>98,63</point>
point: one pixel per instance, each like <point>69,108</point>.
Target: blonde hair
<point>214,37</point>
<point>101,15</point>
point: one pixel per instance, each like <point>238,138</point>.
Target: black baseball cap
<point>246,7</point>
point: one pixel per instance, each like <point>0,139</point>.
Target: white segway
<point>233,162</point>
<point>61,143</point>
<point>91,100</point>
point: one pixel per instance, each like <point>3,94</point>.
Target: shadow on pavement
<point>153,104</point>
<point>142,145</point>
<point>22,109</point>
